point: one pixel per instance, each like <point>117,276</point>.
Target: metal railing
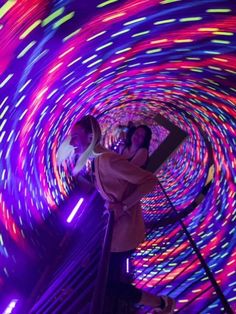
<point>77,280</point>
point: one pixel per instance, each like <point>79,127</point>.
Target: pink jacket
<point>118,180</point>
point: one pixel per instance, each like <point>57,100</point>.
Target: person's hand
<point>117,208</point>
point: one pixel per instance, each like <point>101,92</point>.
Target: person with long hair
<point>136,148</point>
<point>122,185</point>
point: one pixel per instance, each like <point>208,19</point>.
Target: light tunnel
<point>121,60</point>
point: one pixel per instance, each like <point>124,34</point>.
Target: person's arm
<point>140,158</point>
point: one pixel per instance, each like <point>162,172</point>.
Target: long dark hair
<point>147,138</point>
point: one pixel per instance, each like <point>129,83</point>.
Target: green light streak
<point>218,10</point>
<point>224,33</point>
<point>217,41</point>
<point>168,1</point>
<point>153,51</point>
<point>191,19</point>
<point>63,20</point>
<point>103,4</point>
<point>30,29</point>
<point>53,16</point>
<point>141,34</point>
<point>164,21</point>
<point>6,7</point>
<point>196,70</point>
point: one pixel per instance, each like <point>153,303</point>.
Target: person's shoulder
<point>109,161</point>
<point>143,150</point>
<point>110,157</point>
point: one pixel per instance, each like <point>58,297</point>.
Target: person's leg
<point>124,291</point>
<point>161,304</point>
<point>118,266</point>
<point>118,283</point>
<point>128,292</point>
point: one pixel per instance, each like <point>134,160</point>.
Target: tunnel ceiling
<point>120,61</point>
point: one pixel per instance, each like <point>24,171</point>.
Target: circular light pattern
<point>122,60</point>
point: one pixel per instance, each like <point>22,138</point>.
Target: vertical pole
<point>201,259</point>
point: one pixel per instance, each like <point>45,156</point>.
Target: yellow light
<point>30,29</point>
<point>103,4</point>
<point>114,16</point>
<point>52,16</point>
<point>183,40</point>
<point>63,20</point>
<point>164,21</point>
<point>159,41</point>
<point>6,7</point>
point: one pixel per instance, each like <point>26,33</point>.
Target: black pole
<point>201,259</point>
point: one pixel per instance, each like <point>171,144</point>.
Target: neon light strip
<point>10,307</point>
<point>74,211</point>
